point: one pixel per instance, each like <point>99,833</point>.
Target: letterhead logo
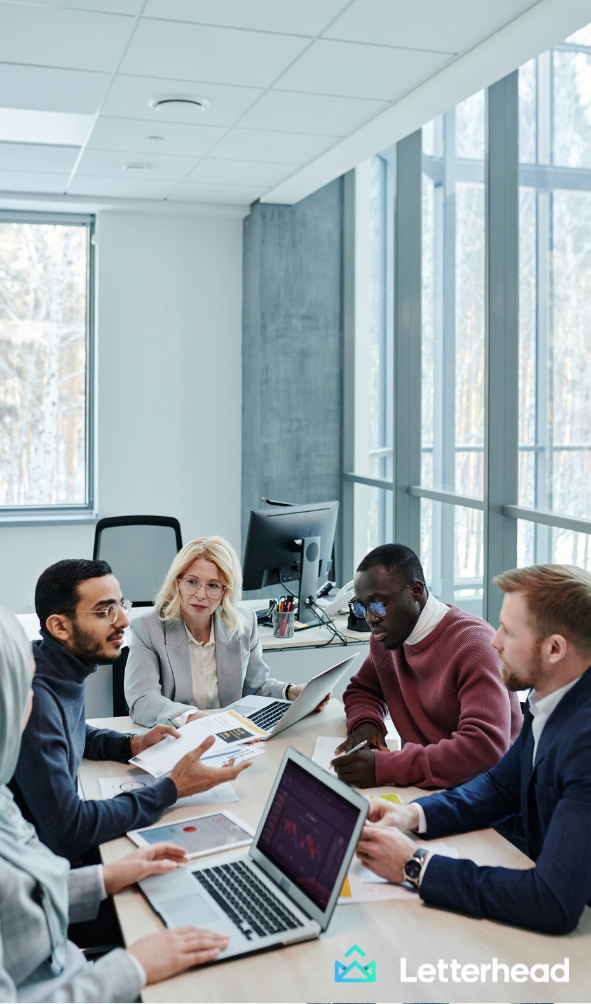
<point>355,972</point>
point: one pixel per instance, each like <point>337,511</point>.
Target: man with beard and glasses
<point>431,666</point>
<point>544,642</point>
<point>82,616</point>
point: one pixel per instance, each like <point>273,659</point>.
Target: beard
<point>88,650</point>
<point>528,676</point>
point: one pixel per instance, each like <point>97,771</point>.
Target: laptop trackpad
<point>188,911</point>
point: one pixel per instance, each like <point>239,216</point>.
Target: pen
<point>354,750</point>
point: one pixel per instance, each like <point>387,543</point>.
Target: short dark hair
<point>56,591</point>
<point>394,558</point>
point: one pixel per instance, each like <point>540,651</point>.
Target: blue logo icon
<point>354,972</point>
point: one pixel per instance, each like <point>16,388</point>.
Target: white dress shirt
<point>431,615</point>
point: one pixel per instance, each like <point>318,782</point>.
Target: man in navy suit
<point>544,642</point>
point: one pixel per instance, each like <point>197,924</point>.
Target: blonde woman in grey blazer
<point>200,647</point>
<point>40,896</point>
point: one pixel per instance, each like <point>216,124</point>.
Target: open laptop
<point>286,887</point>
<point>274,715</point>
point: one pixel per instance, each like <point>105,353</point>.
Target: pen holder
<point>283,623</point>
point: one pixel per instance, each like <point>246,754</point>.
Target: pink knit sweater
<point>447,700</point>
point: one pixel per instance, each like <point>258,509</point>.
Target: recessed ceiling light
<point>25,125</point>
<point>165,100</point>
<point>136,167</point>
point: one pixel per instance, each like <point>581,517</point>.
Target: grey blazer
<point>158,680</point>
<point>25,945</point>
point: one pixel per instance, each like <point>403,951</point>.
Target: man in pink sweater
<point>432,667</point>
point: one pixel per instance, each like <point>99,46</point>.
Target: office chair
<point>140,550</point>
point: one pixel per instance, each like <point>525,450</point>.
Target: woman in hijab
<point>39,895</point>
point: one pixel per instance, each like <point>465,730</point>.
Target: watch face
<point>412,868</point>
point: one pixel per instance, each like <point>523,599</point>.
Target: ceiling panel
<point>51,36</point>
<point>452,26</point>
<point>274,147</point>
<point>366,71</point>
<point>312,113</point>
<point>304,17</point>
<point>120,188</point>
<point>128,98</point>
<point>235,172</point>
<point>31,181</point>
<point>109,6</point>
<point>36,157</point>
<point>51,90</point>
<point>228,194</point>
<point>219,55</point>
<point>106,163</point>
<point>132,134</point>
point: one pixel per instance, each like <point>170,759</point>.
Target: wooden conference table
<point>385,931</point>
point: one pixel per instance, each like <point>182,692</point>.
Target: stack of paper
<point>228,727</point>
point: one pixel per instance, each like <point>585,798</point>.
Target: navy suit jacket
<point>554,798</point>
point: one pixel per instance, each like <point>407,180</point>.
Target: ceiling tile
<point>235,172</point>
<point>311,113</point>
<point>51,90</point>
<point>273,147</point>
<point>363,71</point>
<point>128,98</point>
<point>51,36</point>
<point>25,125</point>
<point>120,188</point>
<point>229,194</point>
<point>132,134</point>
<point>106,6</point>
<point>33,181</point>
<point>306,17</point>
<point>106,163</point>
<point>219,55</point>
<point>36,157</point>
<point>452,26</point>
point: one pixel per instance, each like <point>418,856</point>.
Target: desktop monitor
<point>287,543</point>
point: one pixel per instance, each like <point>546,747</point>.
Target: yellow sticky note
<point>389,798</point>
<point>346,890</point>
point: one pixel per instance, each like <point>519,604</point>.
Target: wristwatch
<point>414,865</point>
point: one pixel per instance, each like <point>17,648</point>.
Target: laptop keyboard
<point>268,717</point>
<point>247,901</point>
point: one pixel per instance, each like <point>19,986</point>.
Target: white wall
<point>169,387</point>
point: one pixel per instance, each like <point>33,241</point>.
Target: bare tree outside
<point>43,362</point>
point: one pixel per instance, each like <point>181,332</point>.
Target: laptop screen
<point>307,832</point>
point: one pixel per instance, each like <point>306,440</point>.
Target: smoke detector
<point>188,100</point>
<point>135,168</point>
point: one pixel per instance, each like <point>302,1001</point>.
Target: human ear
<point>557,648</point>
<point>59,626</point>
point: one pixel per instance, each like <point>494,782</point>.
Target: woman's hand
<point>195,716</point>
<point>155,860</point>
<point>164,954</point>
<point>295,689</point>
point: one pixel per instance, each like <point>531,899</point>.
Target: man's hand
<point>150,738</point>
<point>357,769</point>
<point>385,851</point>
<point>403,817</point>
<point>365,731</point>
<point>191,776</point>
<point>154,860</point>
<point>169,952</point>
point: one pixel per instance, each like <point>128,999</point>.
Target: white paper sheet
<point>239,754</point>
<point>112,786</point>
<point>163,756</point>
<point>324,751</point>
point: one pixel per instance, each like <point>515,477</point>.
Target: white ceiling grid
<point>286,80</point>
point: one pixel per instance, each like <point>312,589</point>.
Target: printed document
<point>112,786</point>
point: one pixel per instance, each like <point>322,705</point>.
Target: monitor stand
<point>310,548</point>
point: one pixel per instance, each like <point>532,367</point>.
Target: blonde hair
<point>558,599</point>
<point>223,555</point>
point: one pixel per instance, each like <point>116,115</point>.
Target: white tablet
<point>199,835</point>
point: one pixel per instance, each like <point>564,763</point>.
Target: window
<point>45,366</point>
<point>488,454</point>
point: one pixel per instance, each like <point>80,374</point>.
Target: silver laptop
<point>274,715</point>
<point>286,887</point>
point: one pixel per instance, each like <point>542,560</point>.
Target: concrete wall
<point>169,387</point>
<point>292,346</point>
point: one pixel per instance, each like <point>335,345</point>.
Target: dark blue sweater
<point>54,742</point>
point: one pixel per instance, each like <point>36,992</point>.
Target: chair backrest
<point>140,550</point>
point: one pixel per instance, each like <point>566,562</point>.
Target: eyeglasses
<point>377,607</point>
<point>191,586</point>
<point>111,612</point>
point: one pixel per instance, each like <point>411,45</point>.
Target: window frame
<point>30,515</point>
